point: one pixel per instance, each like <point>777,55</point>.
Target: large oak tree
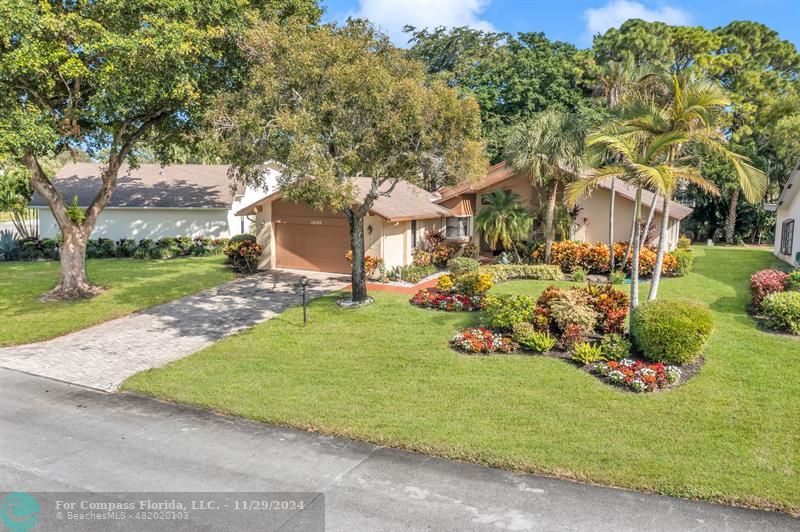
<point>334,103</point>
<point>106,75</point>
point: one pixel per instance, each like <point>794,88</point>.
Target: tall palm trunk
<point>630,242</point>
<point>663,244</point>
<point>548,223</point>
<point>611,224</point>
<point>730,223</point>
<point>637,233</point>
<point>649,222</point>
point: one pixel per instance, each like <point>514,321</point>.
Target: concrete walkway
<point>103,356</point>
<point>58,437</point>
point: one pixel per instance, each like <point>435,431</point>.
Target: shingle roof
<point>406,202</point>
<point>150,185</point>
<point>502,171</point>
<point>676,210</point>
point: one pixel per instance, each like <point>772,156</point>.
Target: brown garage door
<point>320,248</point>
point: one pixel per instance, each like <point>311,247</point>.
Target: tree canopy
<point>333,103</point>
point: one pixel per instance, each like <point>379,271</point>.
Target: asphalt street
<point>61,437</point>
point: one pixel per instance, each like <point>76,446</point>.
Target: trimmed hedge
<point>104,248</point>
<point>672,331</point>
<point>540,272</point>
<point>782,311</point>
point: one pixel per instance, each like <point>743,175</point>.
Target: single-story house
<point>295,236</point>
<point>154,201</point>
<point>787,211</point>
<point>590,223</point>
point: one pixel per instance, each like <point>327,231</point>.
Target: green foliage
<point>685,259</point>
<point>474,283</point>
<point>587,353</point>
<point>792,281</point>
<point>673,331</point>
<point>615,347</point>
<point>506,272</point>
<point>319,123</point>
<point>461,265</point>
<point>244,237</point>
<point>526,335</point>
<point>579,275</point>
<point>502,220</point>
<point>504,311</point>
<point>616,277</point>
<point>76,213</point>
<point>782,311</point>
<point>512,78</point>
<point>684,242</point>
<point>411,273</point>
<point>9,246</point>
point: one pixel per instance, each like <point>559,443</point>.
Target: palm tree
<point>502,220</point>
<point>549,149</point>
<point>614,81</point>
<point>642,162</point>
<point>687,107</point>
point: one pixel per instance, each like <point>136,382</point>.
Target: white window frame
<point>787,237</point>
<point>468,229</point>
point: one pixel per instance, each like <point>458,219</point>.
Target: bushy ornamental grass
<point>782,311</point>
<point>673,331</point>
<point>764,283</point>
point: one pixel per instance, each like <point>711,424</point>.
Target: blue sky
<point>573,21</point>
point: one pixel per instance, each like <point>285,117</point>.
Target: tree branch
<point>115,160</point>
<point>45,188</point>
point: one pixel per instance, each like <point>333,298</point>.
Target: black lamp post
<point>304,284</point>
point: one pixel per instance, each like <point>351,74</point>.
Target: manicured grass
<point>385,374</point>
<point>131,285</point>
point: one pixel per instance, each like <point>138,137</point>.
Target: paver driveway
<point>103,356</point>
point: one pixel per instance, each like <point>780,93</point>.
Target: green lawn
<point>384,374</point>
<point>131,285</point>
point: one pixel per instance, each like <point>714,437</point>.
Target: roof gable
<point>148,186</point>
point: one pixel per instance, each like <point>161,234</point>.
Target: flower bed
<point>434,299</point>
<point>637,376</point>
<point>482,340</point>
<point>776,299</point>
<point>570,256</point>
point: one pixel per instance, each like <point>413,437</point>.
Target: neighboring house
<point>787,211</point>
<point>590,223</point>
<point>295,236</point>
<point>154,202</point>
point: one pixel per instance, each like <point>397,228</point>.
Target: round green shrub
<point>461,265</point>
<point>671,331</point>
<point>792,281</point>
<point>505,311</point>
<point>782,311</point>
<point>242,238</point>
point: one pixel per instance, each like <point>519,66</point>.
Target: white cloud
<point>614,13</point>
<point>392,15</point>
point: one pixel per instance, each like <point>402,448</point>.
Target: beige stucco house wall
<point>787,228</point>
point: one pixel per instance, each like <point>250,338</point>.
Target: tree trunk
<point>663,244</point>
<point>548,223</point>
<point>72,282</point>
<point>611,224</point>
<point>637,233</point>
<point>649,222</point>
<point>730,223</point>
<point>359,277</point>
<point>630,243</point>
